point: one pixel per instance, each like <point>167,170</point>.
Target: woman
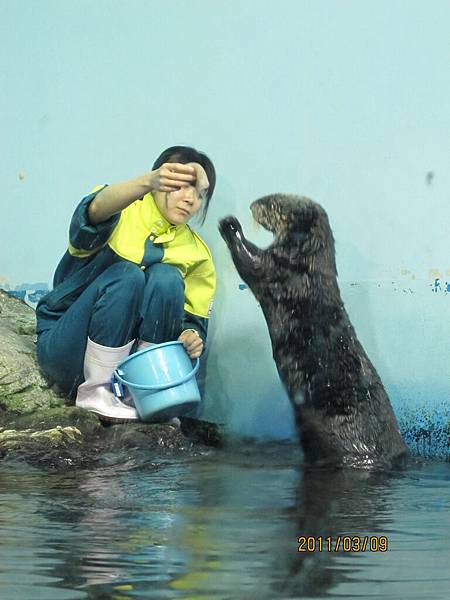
<point>134,274</point>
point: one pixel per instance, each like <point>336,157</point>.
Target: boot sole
<point>109,419</point>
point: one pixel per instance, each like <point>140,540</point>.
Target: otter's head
<point>296,221</point>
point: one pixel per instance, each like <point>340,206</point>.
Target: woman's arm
<point>113,198</point>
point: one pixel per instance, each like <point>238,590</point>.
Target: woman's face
<point>179,206</point>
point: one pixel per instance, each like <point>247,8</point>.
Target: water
<point>223,525</point>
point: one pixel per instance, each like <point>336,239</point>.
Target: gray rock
<point>37,425</point>
<point>23,389</point>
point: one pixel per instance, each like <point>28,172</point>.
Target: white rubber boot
<point>95,394</point>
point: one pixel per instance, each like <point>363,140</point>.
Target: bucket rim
<point>152,347</point>
<point>159,386</point>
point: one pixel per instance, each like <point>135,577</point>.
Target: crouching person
<point>134,274</point>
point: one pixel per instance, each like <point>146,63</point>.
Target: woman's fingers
<point>201,179</point>
<point>173,174</point>
<point>192,342</point>
<point>170,177</point>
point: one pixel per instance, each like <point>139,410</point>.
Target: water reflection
<point>340,516</point>
<point>223,525</point>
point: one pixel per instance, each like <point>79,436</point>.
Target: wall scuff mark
<point>426,430</point>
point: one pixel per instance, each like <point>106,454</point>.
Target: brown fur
<point>342,411</point>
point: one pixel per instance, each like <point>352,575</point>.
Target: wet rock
<point>23,388</point>
<point>202,432</point>
<point>38,426</point>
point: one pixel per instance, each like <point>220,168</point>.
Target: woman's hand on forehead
<point>172,176</point>
<point>202,181</point>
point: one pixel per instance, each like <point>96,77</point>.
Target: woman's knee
<point>121,286</point>
<point>166,280</point>
<point>162,310</point>
<point>117,307</point>
<point>127,274</point>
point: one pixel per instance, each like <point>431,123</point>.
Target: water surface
<point>224,524</point>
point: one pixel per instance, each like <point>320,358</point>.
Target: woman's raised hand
<point>113,198</point>
<point>171,177</point>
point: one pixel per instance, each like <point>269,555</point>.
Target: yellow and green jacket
<point>138,234</point>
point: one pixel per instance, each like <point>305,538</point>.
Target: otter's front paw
<point>229,227</point>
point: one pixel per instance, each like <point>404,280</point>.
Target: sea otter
<point>342,412</point>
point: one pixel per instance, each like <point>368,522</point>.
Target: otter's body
<point>343,414</point>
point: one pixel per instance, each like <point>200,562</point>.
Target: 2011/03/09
<point>343,543</point>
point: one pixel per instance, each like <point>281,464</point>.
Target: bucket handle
<point>118,374</point>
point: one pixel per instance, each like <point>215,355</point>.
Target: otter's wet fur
<point>342,412</point>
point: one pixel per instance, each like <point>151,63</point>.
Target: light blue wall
<point>345,101</point>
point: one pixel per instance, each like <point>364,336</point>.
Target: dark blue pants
<point>123,303</point>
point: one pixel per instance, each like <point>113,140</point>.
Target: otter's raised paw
<point>229,227</point>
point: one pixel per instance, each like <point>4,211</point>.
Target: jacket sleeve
<point>199,324</point>
<point>84,238</point>
<point>200,286</point>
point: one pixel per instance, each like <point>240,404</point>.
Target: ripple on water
<point>223,525</point>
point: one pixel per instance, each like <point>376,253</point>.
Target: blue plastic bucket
<point>161,381</point>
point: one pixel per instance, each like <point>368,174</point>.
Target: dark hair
<point>184,155</point>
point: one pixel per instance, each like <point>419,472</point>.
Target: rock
<point>37,425</point>
<point>23,389</point>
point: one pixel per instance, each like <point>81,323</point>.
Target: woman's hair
<point>184,155</point>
